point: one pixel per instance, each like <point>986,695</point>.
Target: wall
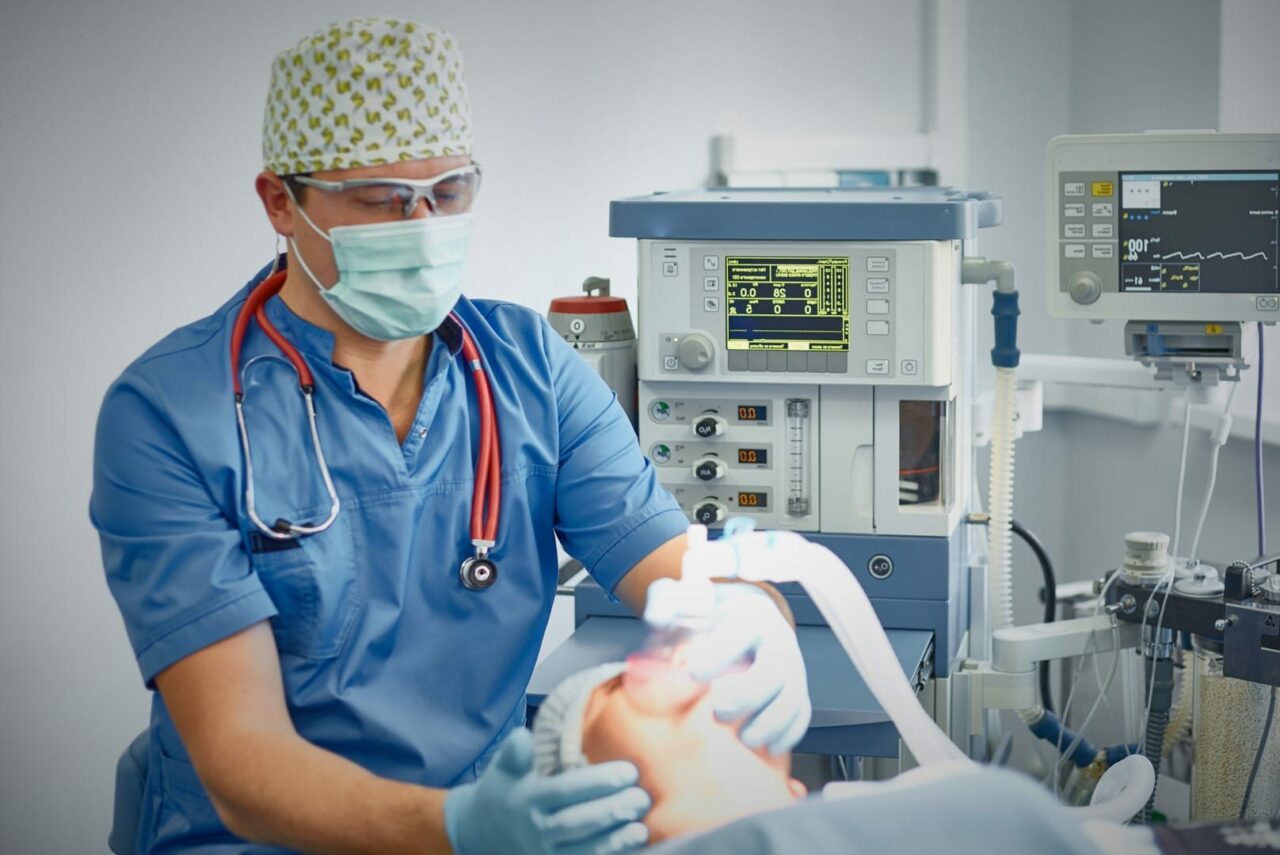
<point>129,142</point>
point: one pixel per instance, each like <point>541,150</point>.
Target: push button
<point>877,366</point>
<point>880,566</point>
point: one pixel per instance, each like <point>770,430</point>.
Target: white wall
<point>1249,100</point>
<point>128,143</point>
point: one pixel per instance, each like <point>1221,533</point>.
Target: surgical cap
<point>365,92</point>
<point>557,731</point>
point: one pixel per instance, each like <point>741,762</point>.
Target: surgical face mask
<point>396,280</point>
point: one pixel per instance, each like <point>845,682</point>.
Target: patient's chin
<point>797,788</point>
<point>701,810</point>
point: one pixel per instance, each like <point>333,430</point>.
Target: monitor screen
<point>1199,232</point>
<point>786,303</point>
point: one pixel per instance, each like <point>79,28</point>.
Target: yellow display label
<point>1104,188</point>
<point>1213,329</point>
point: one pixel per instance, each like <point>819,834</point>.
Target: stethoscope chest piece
<point>478,574</point>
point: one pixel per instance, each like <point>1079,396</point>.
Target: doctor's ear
<point>275,201</point>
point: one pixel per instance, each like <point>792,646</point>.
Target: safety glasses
<point>452,192</point>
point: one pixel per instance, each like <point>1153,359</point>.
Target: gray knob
<point>1271,588</point>
<point>1146,557</point>
<point>709,469</point>
<point>1085,288</point>
<point>709,513</point>
<point>708,427</point>
<point>695,351</point>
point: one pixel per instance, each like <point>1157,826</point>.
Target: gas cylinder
<point>598,326</point>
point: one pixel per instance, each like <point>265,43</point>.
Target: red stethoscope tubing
<point>484,517</point>
<point>486,500</point>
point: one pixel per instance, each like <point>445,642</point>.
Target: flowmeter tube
<point>797,457</point>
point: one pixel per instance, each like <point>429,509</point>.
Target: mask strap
<point>314,227</point>
<point>302,262</point>
<point>275,257</point>
<point>293,245</point>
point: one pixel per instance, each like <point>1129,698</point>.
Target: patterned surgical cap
<point>365,92</point>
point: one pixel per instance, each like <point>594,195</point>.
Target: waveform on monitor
<point>1187,256</point>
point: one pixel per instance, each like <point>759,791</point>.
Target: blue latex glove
<point>772,695</point>
<point>511,808</point>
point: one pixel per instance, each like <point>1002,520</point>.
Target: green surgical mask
<point>396,280</point>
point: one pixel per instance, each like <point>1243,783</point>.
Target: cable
<point>1097,703</point>
<point>1262,747</point>
<point>1167,582</point>
<point>1050,601</point>
<point>1219,438</point>
<point>1257,447</point>
<point>1090,647</point>
<point>1182,470</point>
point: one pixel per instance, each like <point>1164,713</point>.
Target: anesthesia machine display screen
<point>1209,232</point>
<point>753,500</point>
<point>786,303</point>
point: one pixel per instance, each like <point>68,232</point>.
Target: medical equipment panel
<point>722,453</point>
<point>851,312</point>
<point>1165,227</point>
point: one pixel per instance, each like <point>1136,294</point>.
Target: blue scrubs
<point>387,659</point>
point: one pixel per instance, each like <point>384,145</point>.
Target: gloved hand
<point>513,809</point>
<point>771,695</point>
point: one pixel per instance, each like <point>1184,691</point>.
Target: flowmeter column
<point>797,457</point>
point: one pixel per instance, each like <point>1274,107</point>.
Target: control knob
<point>1085,288</point>
<point>706,427</point>
<point>709,512</point>
<point>695,351</point>
<point>709,468</point>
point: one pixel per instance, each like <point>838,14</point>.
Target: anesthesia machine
<point>805,359</point>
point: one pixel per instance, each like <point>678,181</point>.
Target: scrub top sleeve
<point>610,509</point>
<point>174,562</point>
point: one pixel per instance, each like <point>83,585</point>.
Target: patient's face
<point>698,772</point>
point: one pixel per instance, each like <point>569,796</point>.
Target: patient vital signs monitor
<point>1165,227</point>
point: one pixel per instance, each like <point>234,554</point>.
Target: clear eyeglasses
<point>452,192</point>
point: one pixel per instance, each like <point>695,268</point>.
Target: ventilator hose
<point>1121,792</point>
<point>1180,721</point>
<point>1159,673</point>
<point>1153,748</point>
<point>1000,499</point>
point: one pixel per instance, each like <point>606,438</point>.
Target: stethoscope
<point>477,572</point>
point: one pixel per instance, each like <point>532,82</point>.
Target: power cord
<point>1050,600</point>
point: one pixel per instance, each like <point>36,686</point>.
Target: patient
<point>649,712</point>
<point>712,794</point>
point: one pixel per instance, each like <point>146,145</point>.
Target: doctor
<point>330,678</point>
